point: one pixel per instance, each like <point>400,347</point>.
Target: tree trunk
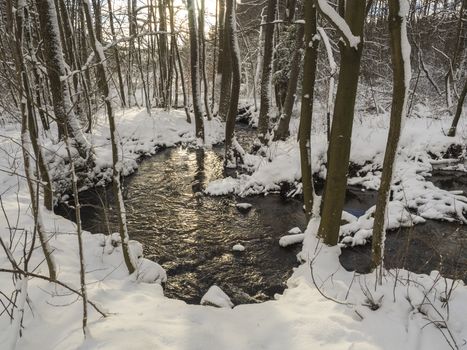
<point>56,71</point>
<point>400,54</point>
<point>457,116</point>
<point>116,163</point>
<point>117,55</point>
<point>195,88</point>
<point>234,50</point>
<point>226,77</point>
<point>282,131</point>
<point>308,86</point>
<point>26,116</point>
<point>341,130</point>
<point>265,98</point>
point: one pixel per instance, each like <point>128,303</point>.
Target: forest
<point>233,174</point>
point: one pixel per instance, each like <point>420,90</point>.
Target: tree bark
<point>265,97</point>
<point>116,163</point>
<point>401,84</point>
<point>282,131</point>
<point>306,112</point>
<point>457,116</point>
<point>341,130</point>
<point>235,90</point>
<point>195,88</point>
<point>56,71</point>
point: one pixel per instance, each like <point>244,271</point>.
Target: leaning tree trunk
<point>400,54</point>
<point>308,86</point>
<point>116,163</point>
<point>265,95</point>
<point>56,71</point>
<point>231,30</point>
<point>341,131</point>
<point>282,131</point>
<point>460,104</point>
<point>195,88</point>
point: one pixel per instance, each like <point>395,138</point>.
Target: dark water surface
<point>191,235</point>
<point>435,245</point>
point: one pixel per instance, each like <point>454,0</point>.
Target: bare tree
<point>339,147</point>
<point>265,97</point>
<point>306,113</point>
<point>231,31</point>
<point>400,55</point>
<point>195,88</point>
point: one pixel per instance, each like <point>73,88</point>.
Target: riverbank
<point>329,308</point>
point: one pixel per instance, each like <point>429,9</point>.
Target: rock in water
<point>216,297</point>
<point>238,248</point>
<point>287,240</point>
<point>295,230</point>
<point>244,207</point>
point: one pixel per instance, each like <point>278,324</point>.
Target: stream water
<point>192,235</point>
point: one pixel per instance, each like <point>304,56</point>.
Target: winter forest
<point>233,174</point>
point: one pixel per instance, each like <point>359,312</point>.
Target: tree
<point>231,30</point>
<point>282,130</point>
<point>116,163</point>
<point>194,59</point>
<point>400,56</point>
<point>339,147</point>
<point>26,111</point>
<point>306,112</point>
<point>265,95</point>
<point>57,73</point>
<point>226,70</point>
<point>457,116</point>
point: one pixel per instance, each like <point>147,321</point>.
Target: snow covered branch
<point>338,22</point>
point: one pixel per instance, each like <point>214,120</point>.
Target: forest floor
<point>324,306</point>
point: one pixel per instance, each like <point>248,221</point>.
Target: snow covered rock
<point>216,297</point>
<point>244,207</point>
<point>287,240</point>
<point>295,230</point>
<point>150,272</point>
<point>238,248</point>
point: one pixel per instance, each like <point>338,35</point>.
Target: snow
<point>150,272</point>
<point>323,307</point>
<point>411,187</point>
<point>327,45</point>
<point>295,230</point>
<point>216,297</point>
<point>238,247</point>
<point>244,207</point>
<point>338,22</point>
<point>287,240</point>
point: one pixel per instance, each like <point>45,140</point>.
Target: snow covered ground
<point>327,309</point>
